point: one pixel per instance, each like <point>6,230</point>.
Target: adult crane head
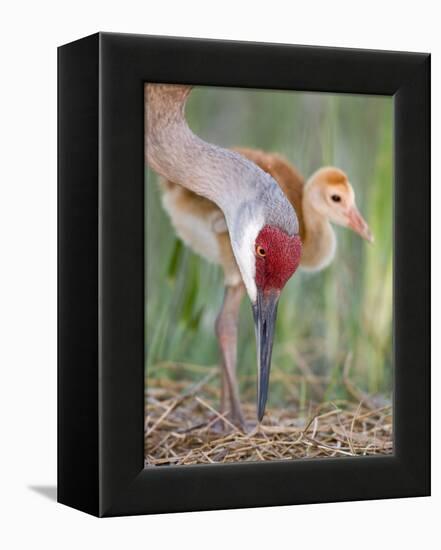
<point>264,234</point>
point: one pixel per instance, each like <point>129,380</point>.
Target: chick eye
<point>336,198</point>
<point>260,251</point>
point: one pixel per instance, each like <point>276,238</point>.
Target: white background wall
<point>30,33</point>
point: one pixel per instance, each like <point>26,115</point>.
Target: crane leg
<point>226,331</point>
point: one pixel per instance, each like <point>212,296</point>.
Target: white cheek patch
<point>244,252</point>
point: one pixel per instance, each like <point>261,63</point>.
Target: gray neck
<point>236,185</point>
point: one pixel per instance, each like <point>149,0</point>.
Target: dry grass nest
<point>183,425</point>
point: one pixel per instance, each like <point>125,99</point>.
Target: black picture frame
<point>101,274</point>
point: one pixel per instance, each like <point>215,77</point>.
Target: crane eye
<point>336,198</point>
<point>260,251</point>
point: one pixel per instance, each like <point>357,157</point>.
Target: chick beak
<point>265,313</point>
<point>358,224</point>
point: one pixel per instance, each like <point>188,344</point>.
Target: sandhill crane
<point>326,197</point>
<point>262,224</point>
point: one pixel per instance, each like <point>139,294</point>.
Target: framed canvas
<point>291,149</point>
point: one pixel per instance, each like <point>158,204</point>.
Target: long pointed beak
<point>265,313</point>
<point>358,224</point>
